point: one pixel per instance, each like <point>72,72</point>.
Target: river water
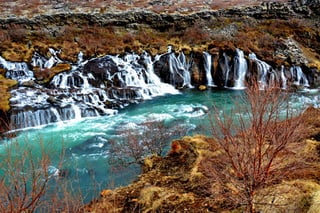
<point>80,147</point>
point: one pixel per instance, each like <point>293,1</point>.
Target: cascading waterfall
<point>42,62</point>
<point>180,67</point>
<point>300,78</point>
<point>78,93</point>
<point>263,70</point>
<point>207,67</point>
<point>239,69</point>
<point>224,66</point>
<point>18,71</point>
<point>100,86</point>
<point>159,88</point>
<point>283,78</point>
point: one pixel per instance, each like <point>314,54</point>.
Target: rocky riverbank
<point>180,181</point>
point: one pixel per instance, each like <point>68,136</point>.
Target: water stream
<point>76,116</point>
<point>85,141</point>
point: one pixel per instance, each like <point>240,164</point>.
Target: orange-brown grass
<point>5,84</point>
<point>44,75</point>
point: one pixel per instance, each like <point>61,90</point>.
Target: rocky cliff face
<point>162,21</point>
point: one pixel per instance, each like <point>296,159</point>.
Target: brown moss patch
<point>263,37</point>
<point>5,84</point>
<point>45,75</point>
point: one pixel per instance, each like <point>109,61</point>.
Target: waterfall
<point>141,76</point>
<point>225,69</point>
<point>91,88</point>
<point>283,78</point>
<point>73,79</point>
<point>158,87</point>
<point>53,60</point>
<point>207,68</point>
<point>300,78</point>
<point>239,69</point>
<point>42,62</point>
<point>263,70</point>
<point>18,71</point>
<point>80,58</point>
<point>180,67</point>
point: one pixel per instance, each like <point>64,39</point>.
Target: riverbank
<point>180,181</point>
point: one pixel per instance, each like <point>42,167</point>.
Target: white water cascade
<point>207,67</point>
<point>181,67</point>
<point>263,70</point>
<point>240,68</point>
<point>158,88</point>
<point>18,71</point>
<point>225,68</point>
<point>42,62</point>
<point>283,78</point>
<point>300,78</point>
<point>82,92</point>
<point>100,86</point>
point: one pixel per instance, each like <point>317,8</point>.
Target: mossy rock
<point>45,75</point>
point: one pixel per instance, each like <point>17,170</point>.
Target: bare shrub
<point>24,180</point>
<point>151,138</point>
<point>29,182</point>
<point>253,146</point>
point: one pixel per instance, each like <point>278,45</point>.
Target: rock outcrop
<point>163,21</point>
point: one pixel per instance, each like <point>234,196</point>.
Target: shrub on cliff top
<point>257,146</point>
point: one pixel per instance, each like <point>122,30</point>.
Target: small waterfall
<point>141,77</point>
<point>77,112</point>
<point>53,60</point>
<point>263,70</point>
<point>32,118</point>
<point>180,67</point>
<point>300,78</point>
<point>80,58</point>
<point>18,71</point>
<point>225,69</point>
<point>239,69</point>
<point>283,78</point>
<point>72,79</point>
<point>207,67</point>
<point>158,87</point>
<point>42,62</point>
<point>91,88</point>
<point>56,113</point>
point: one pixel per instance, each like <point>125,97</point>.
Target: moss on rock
<point>5,84</point>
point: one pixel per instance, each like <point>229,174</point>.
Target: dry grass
<point>5,84</point>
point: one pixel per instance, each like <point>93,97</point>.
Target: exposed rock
<point>292,52</point>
